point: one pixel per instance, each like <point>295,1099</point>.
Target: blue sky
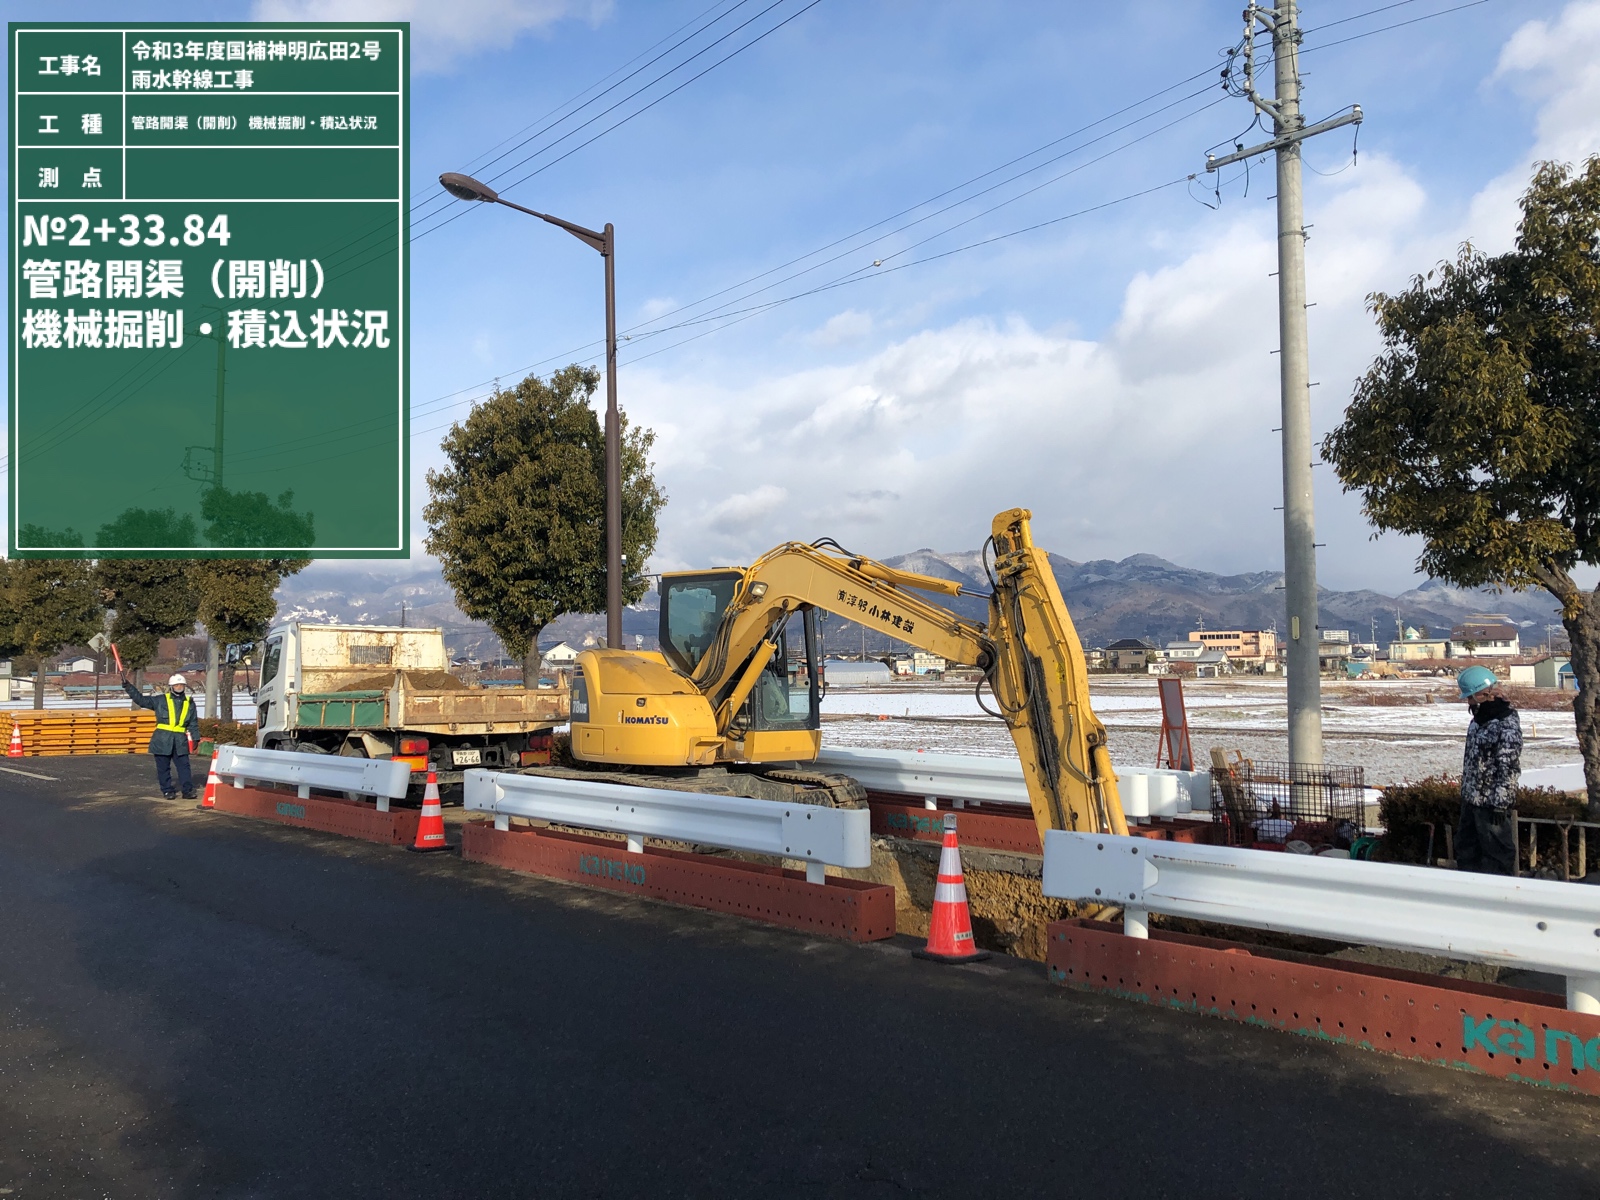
<point>1112,371</point>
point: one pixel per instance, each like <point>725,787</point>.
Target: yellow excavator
<point>714,710</point>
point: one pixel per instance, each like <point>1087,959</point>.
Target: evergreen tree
<point>152,598</point>
<point>47,604</point>
<point>517,516</point>
<point>1478,426</point>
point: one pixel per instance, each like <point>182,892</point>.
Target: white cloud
<point>1157,437</point>
<point>740,512</point>
<point>656,306</point>
<point>442,34</point>
<point>848,326</point>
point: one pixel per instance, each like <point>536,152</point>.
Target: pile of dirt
<point>416,681</point>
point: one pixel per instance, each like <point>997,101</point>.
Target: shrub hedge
<point>1406,810</point>
<point>227,733</point>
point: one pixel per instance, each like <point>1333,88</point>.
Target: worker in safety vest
<point>176,723</point>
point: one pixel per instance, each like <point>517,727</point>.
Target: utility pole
<point>1299,522</point>
<point>212,476</point>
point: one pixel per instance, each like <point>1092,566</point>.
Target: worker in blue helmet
<point>1486,838</point>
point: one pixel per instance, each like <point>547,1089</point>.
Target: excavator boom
<point>701,700</point>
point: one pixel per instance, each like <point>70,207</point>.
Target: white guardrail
<point>382,778</point>
<point>839,837</point>
<point>1534,924</point>
<point>1146,792</point>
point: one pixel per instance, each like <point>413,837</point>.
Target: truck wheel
<point>350,750</point>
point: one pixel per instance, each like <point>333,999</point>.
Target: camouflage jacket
<point>1492,763</point>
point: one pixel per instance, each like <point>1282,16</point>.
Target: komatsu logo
<point>645,721</point>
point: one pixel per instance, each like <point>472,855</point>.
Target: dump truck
<point>373,691</point>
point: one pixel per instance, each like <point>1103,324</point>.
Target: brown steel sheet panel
<point>852,909</point>
<point>348,818</point>
<point>1507,1032</point>
<point>986,826</point>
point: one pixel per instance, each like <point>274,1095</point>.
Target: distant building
<point>559,655</point>
<point>1333,649</point>
<point>1175,651</point>
<point>923,663</point>
<point>836,672</point>
<point>1418,648</point>
<point>78,666</point>
<point>1130,654</point>
<point>1095,657</point>
<point>1547,672</point>
<point>1205,664</point>
<point>1255,646</point>
<point>1487,637</point>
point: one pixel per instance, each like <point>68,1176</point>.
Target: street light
<point>464,187</point>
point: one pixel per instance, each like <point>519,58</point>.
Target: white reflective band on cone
<point>950,893</point>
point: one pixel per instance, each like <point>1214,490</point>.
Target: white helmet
<point>177,681</point>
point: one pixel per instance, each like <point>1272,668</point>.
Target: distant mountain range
<point>1140,596</point>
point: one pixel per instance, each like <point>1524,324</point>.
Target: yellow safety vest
<point>176,722</point>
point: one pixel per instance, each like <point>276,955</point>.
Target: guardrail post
<point>635,844</point>
<point>1583,995</point>
<point>816,872</point>
<point>304,791</point>
<point>930,802</point>
<point>383,804</point>
<point>1136,922</point>
<point>502,822</point>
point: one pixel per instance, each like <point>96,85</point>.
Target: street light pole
<point>464,187</point>
<point>613,454</point>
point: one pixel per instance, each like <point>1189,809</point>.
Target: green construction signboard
<point>209,296</point>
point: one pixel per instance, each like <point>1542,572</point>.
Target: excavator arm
<point>1028,651</point>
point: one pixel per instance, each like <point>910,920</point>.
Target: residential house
<point>1130,654</point>
<point>1333,649</point>
<point>1491,636</point>
<point>1419,650</point>
<point>558,656</point>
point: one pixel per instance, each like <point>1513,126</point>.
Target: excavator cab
<point>787,695</point>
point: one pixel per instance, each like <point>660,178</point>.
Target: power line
<point>467,206</point>
<point>334,256</point>
<point>741,314</point>
<point>861,246</point>
<point>736,318</point>
<point>435,195</point>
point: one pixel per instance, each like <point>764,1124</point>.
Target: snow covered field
<point>1393,742</point>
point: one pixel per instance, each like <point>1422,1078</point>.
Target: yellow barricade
<point>81,730</point>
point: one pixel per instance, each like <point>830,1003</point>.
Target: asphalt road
<point>201,1005</point>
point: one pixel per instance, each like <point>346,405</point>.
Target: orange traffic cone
<point>430,829</point>
<point>15,749</point>
<point>950,929</point>
<point>208,799</point>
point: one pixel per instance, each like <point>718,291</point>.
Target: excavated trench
<point>1009,910</point>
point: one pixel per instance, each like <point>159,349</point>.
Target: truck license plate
<point>466,758</point>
